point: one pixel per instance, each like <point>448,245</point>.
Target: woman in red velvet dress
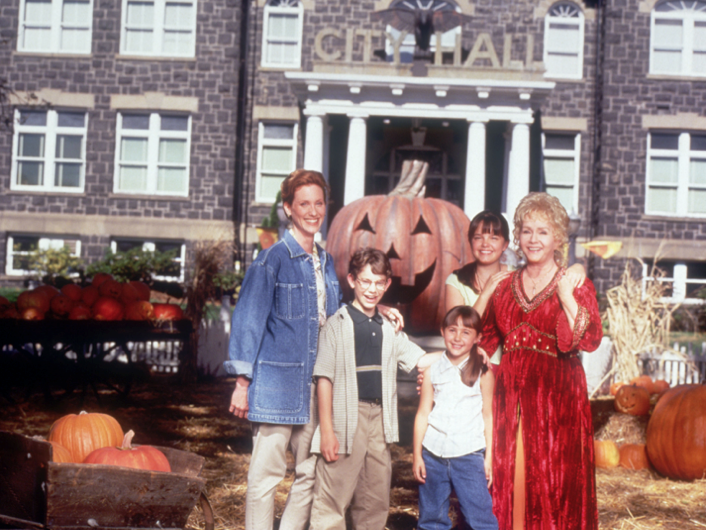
<point>543,468</point>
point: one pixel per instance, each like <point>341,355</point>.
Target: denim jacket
<point>275,330</point>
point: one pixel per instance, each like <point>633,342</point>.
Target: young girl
<point>453,429</point>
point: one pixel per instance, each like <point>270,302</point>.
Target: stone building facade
<point>599,102</point>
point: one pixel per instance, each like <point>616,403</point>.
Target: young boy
<point>356,370</point>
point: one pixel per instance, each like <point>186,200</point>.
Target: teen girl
<point>453,429</point>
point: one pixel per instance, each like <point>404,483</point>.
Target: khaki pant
<point>268,466</point>
<point>361,478</point>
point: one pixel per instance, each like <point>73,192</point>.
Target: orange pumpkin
<point>615,387</point>
<point>100,278</point>
<point>142,457</point>
<point>60,454</point>
<point>634,456</point>
<point>31,313</point>
<point>660,386</point>
<point>80,312</point>
<point>72,290</point>
<point>607,454</point>
<point>143,290</point>
<point>89,295</point>
<point>644,381</point>
<point>425,239</point>
<point>61,305</point>
<point>633,400</point>
<point>108,308</point>
<point>676,433</point>
<point>35,298</point>
<point>167,312</point>
<point>111,288</point>
<point>139,310</point>
<point>83,433</point>
<point>48,290</point>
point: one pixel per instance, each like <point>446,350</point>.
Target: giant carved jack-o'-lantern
<point>425,239</point>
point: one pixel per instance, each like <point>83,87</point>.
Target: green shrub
<point>136,264</point>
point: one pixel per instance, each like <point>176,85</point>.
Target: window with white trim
<point>49,150</point>
<point>21,246</point>
<point>152,154</point>
<point>59,26</point>
<point>684,279</point>
<point>563,41</point>
<point>678,38</point>
<point>561,153</point>
<point>676,174</point>
<point>165,28</point>
<point>174,272</point>
<point>283,22</point>
<point>276,157</point>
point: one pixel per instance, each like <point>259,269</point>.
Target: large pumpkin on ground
<point>676,433</point>
<point>143,457</point>
<point>425,239</point>
<point>85,432</point>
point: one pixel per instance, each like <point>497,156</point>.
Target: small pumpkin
<point>660,386</point>
<point>72,290</point>
<point>167,312</point>
<point>644,381</point>
<point>61,305</point>
<point>89,295</point>
<point>108,308</point>
<point>83,433</point>
<point>100,278</point>
<point>633,400</point>
<point>142,457</point>
<point>676,433</point>
<point>112,288</point>
<point>143,290</point>
<point>607,454</point>
<point>634,456</point>
<point>615,387</point>
<point>139,310</point>
<point>60,454</point>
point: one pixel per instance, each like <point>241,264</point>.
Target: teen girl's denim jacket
<point>275,330</point>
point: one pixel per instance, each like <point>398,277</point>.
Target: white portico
<point>475,101</point>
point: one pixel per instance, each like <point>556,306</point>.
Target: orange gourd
<point>676,433</point>
<point>142,457</point>
<point>60,454</point>
<point>634,456</point>
<point>633,400</point>
<point>85,432</point>
<point>607,454</point>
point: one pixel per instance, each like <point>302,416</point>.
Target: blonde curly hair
<point>547,207</point>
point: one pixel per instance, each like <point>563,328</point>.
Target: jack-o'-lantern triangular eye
<point>421,227</point>
<point>392,253</point>
<point>365,225</point>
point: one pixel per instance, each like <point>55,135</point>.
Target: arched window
<point>282,34</point>
<point>678,38</point>
<point>563,42</point>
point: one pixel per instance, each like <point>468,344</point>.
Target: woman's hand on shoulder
<point>494,281</point>
<point>393,315</point>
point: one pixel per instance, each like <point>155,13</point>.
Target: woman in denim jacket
<point>287,294</point>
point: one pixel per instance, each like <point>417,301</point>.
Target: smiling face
<point>368,289</point>
<point>306,211</point>
<point>537,240</point>
<point>459,340</point>
<point>487,247</point>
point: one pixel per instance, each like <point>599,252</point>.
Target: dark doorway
<point>338,148</point>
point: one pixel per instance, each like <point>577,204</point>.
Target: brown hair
<point>490,223</point>
<point>299,178</point>
<point>470,319</point>
<point>548,207</point>
<point>377,260</point>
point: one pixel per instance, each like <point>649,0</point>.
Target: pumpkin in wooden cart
<point>142,457</point>
<point>424,238</point>
<point>634,400</point>
<point>85,432</point>
<point>60,454</point>
<point>676,433</point>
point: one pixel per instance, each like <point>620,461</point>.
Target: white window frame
<point>158,29</point>
<point>684,156</point>
<point>271,142</point>
<point>565,154</point>
<point>679,281</point>
<point>290,7</point>
<point>565,16</point>
<point>56,26</point>
<point>153,135</point>
<point>151,246</point>
<point>44,242</point>
<point>51,132</point>
<point>689,19</point>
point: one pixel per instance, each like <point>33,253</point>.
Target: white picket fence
<point>674,369</point>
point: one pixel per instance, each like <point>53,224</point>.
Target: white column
<point>474,194</point>
<point>314,144</point>
<point>518,170</point>
<point>355,160</point>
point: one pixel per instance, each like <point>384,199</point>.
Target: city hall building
<point>160,123</point>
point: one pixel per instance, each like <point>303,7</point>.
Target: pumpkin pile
<point>104,299</point>
<point>94,438</point>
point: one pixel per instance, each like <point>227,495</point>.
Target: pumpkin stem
<point>411,184</point>
<point>82,413</point>
<point>127,440</point>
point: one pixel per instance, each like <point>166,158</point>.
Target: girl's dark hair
<point>470,319</point>
<point>491,223</point>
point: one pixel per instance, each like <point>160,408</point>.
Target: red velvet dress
<point>541,378</point>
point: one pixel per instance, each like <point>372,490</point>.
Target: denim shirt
<point>275,330</point>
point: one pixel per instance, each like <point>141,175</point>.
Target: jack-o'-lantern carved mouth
<point>406,294</point>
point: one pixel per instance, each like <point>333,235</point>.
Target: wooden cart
<point>37,493</point>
